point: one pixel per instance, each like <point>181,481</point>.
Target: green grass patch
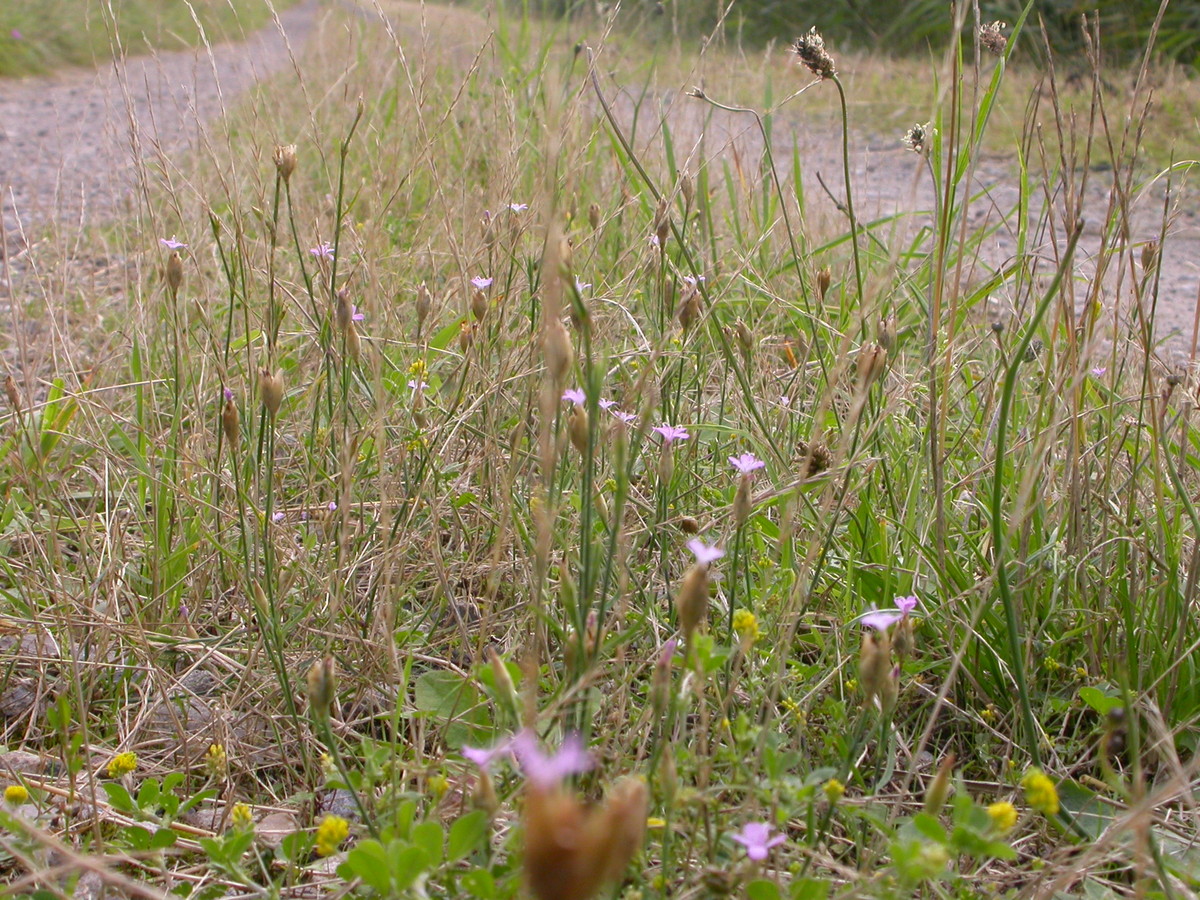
<point>38,36</point>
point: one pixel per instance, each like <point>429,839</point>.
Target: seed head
<point>578,428</point>
<point>918,138</point>
<point>594,216</point>
<point>424,305</point>
<point>811,53</point>
<point>285,161</point>
<point>321,677</point>
<point>824,280</point>
<point>872,360</point>
<point>229,420</point>
<point>691,603</point>
<point>13,394</point>
<point>556,345</point>
<point>992,36</point>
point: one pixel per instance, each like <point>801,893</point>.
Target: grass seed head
<point>811,53</point>
<point>992,36</point>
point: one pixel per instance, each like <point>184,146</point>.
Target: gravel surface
<point>69,145</point>
<point>70,142</point>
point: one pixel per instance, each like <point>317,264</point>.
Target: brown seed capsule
<point>14,395</point>
<point>479,305</point>
<point>824,280</point>
<point>662,223</point>
<point>691,602</point>
<point>688,525</point>
<point>487,228</point>
<point>594,216</point>
<point>744,338</point>
<point>689,309</point>
<point>872,360</point>
<point>285,161</point>
<point>887,333</point>
<point>321,685</point>
<point>174,272</point>
<point>556,345</point>
<point>270,390</point>
<point>687,187</point>
<point>229,420</point>
<point>424,305</point>
<point>903,639</point>
<point>465,336</point>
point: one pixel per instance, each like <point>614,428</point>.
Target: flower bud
<point>270,389</point>
<point>889,692</point>
<point>903,639</point>
<point>13,394</point>
<point>745,339</point>
<point>887,333</point>
<point>662,223</point>
<point>741,502</point>
<point>174,272</point>
<point>874,662</point>
<point>285,161</point>
<point>939,788</point>
<point>1149,255</point>
<point>689,309</point>
<point>465,336</point>
<point>594,216</point>
<point>687,187</point>
<point>479,305</point>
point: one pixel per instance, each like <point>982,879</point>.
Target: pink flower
<point>581,286</point>
<point>355,315</point>
<point>518,207</point>
<point>228,394</point>
<point>627,418</point>
<point>667,653</point>
<point>672,433</point>
<point>277,517</point>
<point>484,758</point>
<point>882,620</point>
<point>607,404</point>
<point>417,386</point>
<point>746,463</point>
<point>16,34</point>
<point>756,838</point>
<point>1099,371</point>
<point>481,283</point>
<point>704,554</point>
<point>323,250</point>
<point>574,395</point>
<point>547,771</point>
<point>172,244</point>
<point>332,505</point>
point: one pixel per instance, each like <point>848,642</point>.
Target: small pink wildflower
<point>883,619</point>
<point>482,283</point>
<point>575,396</point>
<point>667,653</point>
<point>581,286</point>
<point>484,758</point>
<point>547,771</point>
<point>607,404</point>
<point>16,35</point>
<point>355,314</point>
<point>518,207</point>
<point>417,386</point>
<point>746,463</point>
<point>672,433</point>
<point>172,244</point>
<point>332,505</point>
<point>756,838</point>
<point>626,417</point>
<point>704,554</point>
<point>228,394</point>
<point>1099,371</point>
<point>277,517</point>
<point>323,250</point>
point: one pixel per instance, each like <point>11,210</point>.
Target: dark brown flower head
<point>992,36</point>
<point>810,49</point>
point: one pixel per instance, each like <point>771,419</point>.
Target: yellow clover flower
<point>122,764</point>
<point>1003,815</point>
<point>1040,792</point>
<point>330,834</point>
<point>16,794</point>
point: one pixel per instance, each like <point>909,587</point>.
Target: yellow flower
<point>1040,792</point>
<point>15,794</point>
<point>834,790</point>
<point>330,833</point>
<point>122,764</point>
<point>1003,815</point>
<point>216,762</point>
<point>656,822</point>
<point>745,623</point>
<point>242,818</point>
<point>417,369</point>
<point>438,785</point>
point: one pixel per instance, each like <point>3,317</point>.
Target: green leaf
<point>136,836</point>
<point>761,889</point>
<point>118,797</point>
<point>162,839</point>
<point>1099,701</point>
<point>467,834</point>
<point>929,827</point>
<point>479,883</point>
<point>407,864</point>
<point>430,838</point>
<point>147,799</point>
<point>809,889</point>
<point>369,862</point>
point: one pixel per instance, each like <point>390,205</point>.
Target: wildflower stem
<point>999,532</point>
<point>858,278</point>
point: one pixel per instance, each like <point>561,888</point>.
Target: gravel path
<point>69,142</point>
